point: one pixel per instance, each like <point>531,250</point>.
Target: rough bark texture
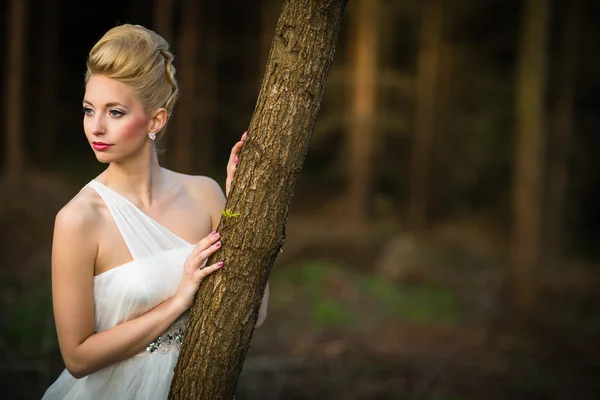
<point>270,10</point>
<point>223,316</point>
<point>14,94</point>
<point>562,132</point>
<point>427,77</point>
<point>529,134</point>
<point>361,129</point>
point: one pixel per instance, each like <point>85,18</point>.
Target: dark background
<point>370,298</point>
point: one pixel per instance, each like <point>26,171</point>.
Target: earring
<point>152,136</point>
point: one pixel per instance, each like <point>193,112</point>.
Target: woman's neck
<point>139,178</point>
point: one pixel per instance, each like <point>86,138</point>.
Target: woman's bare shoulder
<point>81,213</point>
<point>200,186</point>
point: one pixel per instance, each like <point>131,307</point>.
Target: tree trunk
<point>223,316</point>
<point>186,118</point>
<point>17,26</point>
<point>561,133</point>
<point>49,79</point>
<point>361,127</point>
<point>426,85</point>
<point>268,20</point>
<point>529,133</point>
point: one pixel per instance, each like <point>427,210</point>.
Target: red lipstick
<point>100,146</point>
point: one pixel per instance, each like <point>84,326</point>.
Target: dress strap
<point>143,235</point>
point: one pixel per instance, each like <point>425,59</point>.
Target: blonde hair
<point>141,59</point>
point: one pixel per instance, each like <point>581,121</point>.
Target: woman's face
<point>115,122</point>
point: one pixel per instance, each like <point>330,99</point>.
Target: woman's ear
<point>158,121</point>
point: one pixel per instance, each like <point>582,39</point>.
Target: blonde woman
<point>130,249</point>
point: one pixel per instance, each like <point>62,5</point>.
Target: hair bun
<point>129,54</point>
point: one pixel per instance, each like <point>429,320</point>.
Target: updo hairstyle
<point>141,59</point>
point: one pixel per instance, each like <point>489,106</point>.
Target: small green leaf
<point>228,214</point>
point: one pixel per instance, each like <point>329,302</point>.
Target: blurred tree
<point>187,48</point>
<point>17,27</point>
<point>561,132</point>
<point>529,132</point>
<point>206,99</point>
<point>361,127</point>
<point>223,316</point>
<point>426,85</point>
<point>163,18</point>
<point>49,78</point>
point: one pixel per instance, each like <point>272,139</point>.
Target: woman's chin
<point>105,158</point>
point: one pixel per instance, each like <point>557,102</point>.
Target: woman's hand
<point>234,159</point>
<point>195,269</point>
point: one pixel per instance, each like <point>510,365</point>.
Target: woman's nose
<point>98,125</point>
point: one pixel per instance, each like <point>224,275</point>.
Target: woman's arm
<point>262,311</point>
<point>73,256</point>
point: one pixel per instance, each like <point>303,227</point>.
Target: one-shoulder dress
<point>126,292</point>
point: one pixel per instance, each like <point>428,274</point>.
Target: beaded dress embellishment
<point>170,340</point>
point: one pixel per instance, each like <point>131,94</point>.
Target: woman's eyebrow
<point>112,104</point>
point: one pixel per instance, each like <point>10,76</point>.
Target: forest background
<point>443,242</point>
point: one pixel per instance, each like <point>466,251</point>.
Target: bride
<point>130,249</point>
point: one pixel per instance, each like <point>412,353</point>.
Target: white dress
<point>126,292</point>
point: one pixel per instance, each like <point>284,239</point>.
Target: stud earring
<point>152,136</point>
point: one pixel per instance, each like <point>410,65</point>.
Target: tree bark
<point>224,313</point>
<point>561,133</point>
<point>427,80</point>
<point>530,115</point>
<point>268,20</point>
<point>17,26</point>
<point>361,129</point>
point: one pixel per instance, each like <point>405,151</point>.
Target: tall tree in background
<point>529,132</point>
<point>426,85</point>
<point>224,313</point>
<point>206,98</point>
<point>49,80</point>
<point>187,48</point>
<point>163,18</point>
<point>17,26</point>
<point>561,132</point>
<point>362,124</point>
<point>162,21</point>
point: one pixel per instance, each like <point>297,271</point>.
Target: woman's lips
<point>100,146</point>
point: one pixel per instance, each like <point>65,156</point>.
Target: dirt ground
<point>336,328</point>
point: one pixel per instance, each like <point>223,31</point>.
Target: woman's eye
<point>87,110</point>
<point>115,113</point>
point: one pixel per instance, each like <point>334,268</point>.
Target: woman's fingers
<point>237,147</point>
<point>236,150</point>
<point>195,256</point>
<point>204,272</point>
<point>204,254</point>
<point>234,159</point>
